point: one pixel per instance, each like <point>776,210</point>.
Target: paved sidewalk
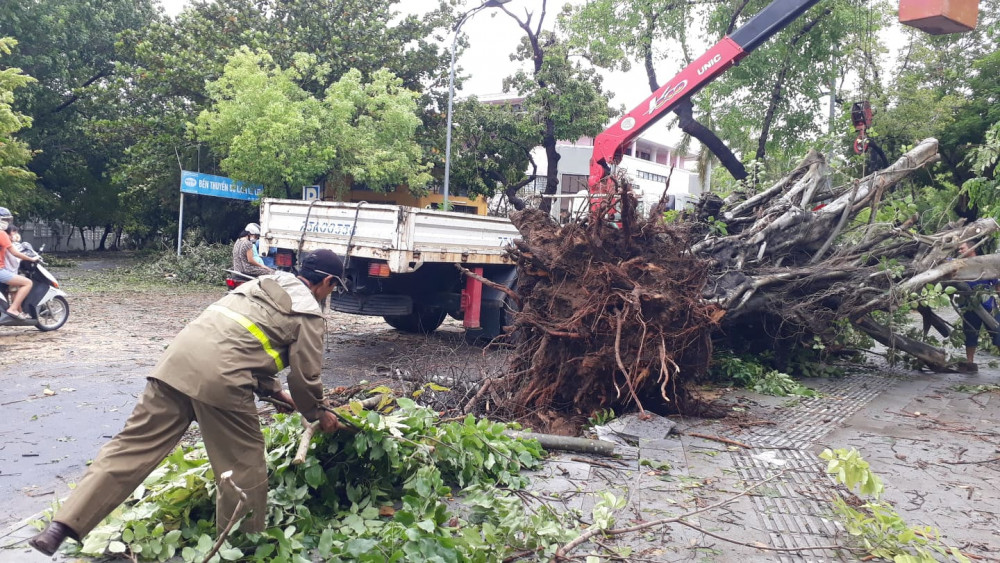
<point>929,442</point>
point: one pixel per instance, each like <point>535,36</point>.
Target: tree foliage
<point>121,82</point>
<point>69,47</point>
<point>493,147</point>
<point>15,180</point>
<point>384,493</point>
<point>947,86</point>
<point>269,130</point>
<point>766,107</point>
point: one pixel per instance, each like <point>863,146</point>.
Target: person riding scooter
<point>19,284</point>
<point>44,304</point>
<point>244,260</point>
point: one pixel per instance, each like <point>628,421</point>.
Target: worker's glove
<point>328,422</point>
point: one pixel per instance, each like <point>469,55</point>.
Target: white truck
<point>401,263</point>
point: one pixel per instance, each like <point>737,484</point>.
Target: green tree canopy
<point>69,47</point>
<point>492,150</point>
<point>269,130</point>
<point>118,83</point>
<point>16,182</point>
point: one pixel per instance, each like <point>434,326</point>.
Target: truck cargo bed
<point>405,237</point>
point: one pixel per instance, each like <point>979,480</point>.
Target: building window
<point>572,183</point>
<point>645,155</point>
<point>642,174</point>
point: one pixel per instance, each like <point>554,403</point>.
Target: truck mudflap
<point>494,306</point>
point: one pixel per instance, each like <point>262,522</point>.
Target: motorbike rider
<point>12,279</point>
<point>244,260</point>
<point>11,262</point>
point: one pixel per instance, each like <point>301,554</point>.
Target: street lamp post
<point>451,90</point>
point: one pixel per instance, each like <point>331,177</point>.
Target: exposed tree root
<point>621,313</point>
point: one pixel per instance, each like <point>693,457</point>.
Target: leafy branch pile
<point>875,523</point>
<point>386,493</point>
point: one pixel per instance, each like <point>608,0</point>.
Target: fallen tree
<point>622,313</point>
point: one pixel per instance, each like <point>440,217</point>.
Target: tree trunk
<point>104,237</point>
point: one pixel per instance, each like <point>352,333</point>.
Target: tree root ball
<point>612,317</point>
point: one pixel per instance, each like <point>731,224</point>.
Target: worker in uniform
<point>209,374</point>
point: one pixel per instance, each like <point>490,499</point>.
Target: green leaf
<point>315,476</point>
<point>325,545</point>
<point>230,553</point>
<point>360,546</point>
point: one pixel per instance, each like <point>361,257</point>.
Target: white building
<point>647,162</point>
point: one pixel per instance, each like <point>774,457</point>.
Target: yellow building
<point>460,202</point>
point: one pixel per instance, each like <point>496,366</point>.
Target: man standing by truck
<point>209,374</point>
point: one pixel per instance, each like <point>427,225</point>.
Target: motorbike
<point>235,279</point>
<point>46,304</point>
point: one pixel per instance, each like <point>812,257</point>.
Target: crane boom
<point>610,144</point>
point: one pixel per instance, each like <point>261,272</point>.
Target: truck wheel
<point>423,320</point>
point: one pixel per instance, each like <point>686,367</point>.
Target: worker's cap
<point>252,228</point>
<point>323,261</point>
<point>5,213</point>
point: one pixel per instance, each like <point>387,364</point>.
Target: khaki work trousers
<point>233,441</point>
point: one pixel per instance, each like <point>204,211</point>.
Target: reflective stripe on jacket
<point>237,346</point>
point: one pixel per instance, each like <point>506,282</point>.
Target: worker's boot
<point>48,540</point>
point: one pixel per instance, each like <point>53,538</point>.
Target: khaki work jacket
<point>237,346</point>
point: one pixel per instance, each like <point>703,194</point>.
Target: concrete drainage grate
<point>803,425</point>
<point>794,508</point>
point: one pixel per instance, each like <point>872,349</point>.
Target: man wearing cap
<point>209,374</point>
<point>8,277</point>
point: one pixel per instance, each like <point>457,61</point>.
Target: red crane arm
<point>610,144</point>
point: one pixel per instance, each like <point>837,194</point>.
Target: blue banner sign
<point>218,186</point>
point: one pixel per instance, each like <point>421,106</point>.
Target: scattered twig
<point>595,462</point>
<point>227,478</point>
<point>518,555</point>
<point>304,441</point>
<point>562,553</point>
<point>991,460</point>
<point>718,439</point>
<point>482,391</point>
<point>757,545</point>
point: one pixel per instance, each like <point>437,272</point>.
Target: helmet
<point>5,213</point>
<point>252,228</point>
